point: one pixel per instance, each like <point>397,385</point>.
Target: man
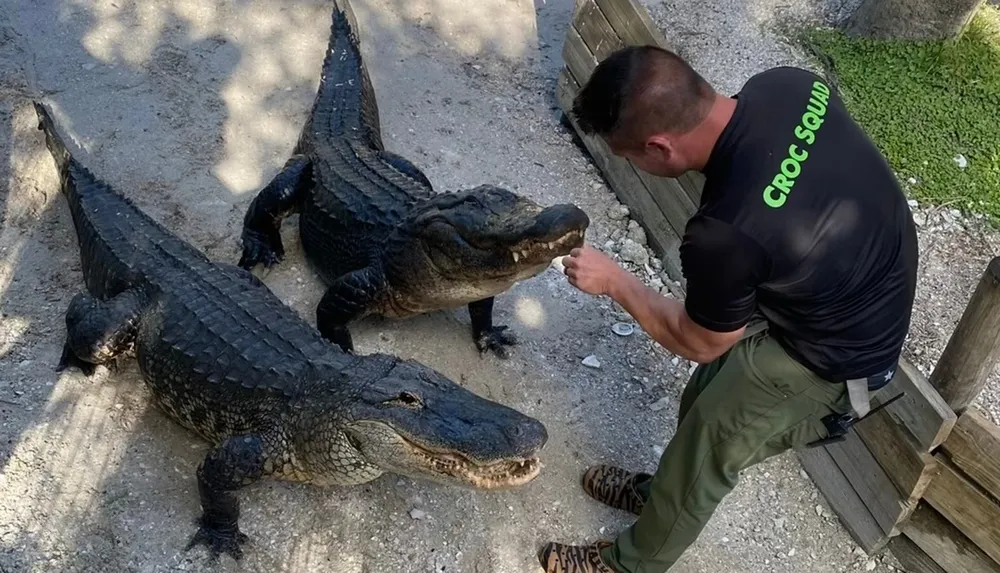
<point>801,219</point>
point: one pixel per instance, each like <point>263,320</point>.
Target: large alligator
<point>376,232</point>
<point>225,358</point>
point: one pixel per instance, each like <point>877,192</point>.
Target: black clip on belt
<point>838,424</point>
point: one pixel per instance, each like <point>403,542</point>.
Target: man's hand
<point>591,271</point>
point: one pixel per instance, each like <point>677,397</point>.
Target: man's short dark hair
<point>641,90</point>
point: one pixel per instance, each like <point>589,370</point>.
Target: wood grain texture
<point>921,411</point>
<point>966,506</point>
<point>854,515</point>
<point>895,449</point>
<point>944,544</point>
<point>974,447</point>
<point>885,503</point>
<point>974,346</point>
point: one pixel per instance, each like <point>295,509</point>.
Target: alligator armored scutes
<point>377,233</point>
<point>226,359</point>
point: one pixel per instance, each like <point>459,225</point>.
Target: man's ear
<point>660,144</point>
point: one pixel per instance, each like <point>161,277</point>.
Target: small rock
<point>962,163</point>
<point>912,203</point>
<point>591,362</point>
<point>617,235</point>
<point>859,551</point>
<point>610,246</point>
<point>920,219</point>
<point>779,523</point>
<point>819,510</point>
<point>24,363</point>
<point>418,514</point>
<point>656,263</point>
<point>622,328</point>
<point>637,234</point>
<point>791,552</point>
<point>675,360</point>
<point>870,565</point>
<point>89,66</point>
<point>617,212</point>
<point>634,252</point>
<point>660,404</point>
<point>911,181</point>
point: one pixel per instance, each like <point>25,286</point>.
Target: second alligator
<point>377,233</point>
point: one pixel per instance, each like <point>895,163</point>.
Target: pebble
<point>870,566</point>
<point>591,362</point>
<point>617,212</point>
<point>660,404</point>
<point>638,235</point>
<point>622,328</point>
<point>418,514</point>
<point>634,252</point>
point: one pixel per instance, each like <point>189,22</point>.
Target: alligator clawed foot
<point>219,541</point>
<point>258,248</point>
<point>496,340</point>
<point>69,359</point>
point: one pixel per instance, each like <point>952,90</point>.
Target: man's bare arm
<point>664,319</point>
<point>667,321</point>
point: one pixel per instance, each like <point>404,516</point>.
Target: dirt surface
<point>189,107</point>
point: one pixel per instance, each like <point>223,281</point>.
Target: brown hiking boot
<point>613,486</point>
<point>560,558</point>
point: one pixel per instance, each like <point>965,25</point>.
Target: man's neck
<point>703,138</point>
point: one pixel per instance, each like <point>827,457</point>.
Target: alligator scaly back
<point>345,106</point>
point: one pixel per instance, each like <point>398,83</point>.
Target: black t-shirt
<point>802,220</point>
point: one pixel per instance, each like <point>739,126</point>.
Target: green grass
<point>926,102</point>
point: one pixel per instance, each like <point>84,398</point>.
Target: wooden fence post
<point>974,347</point>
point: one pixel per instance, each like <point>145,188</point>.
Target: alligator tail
<point>57,147</point>
<point>345,105</point>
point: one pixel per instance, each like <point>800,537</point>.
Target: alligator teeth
<point>525,252</point>
<point>516,256</point>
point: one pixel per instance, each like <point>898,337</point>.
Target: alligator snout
<point>527,436</point>
<point>557,221</point>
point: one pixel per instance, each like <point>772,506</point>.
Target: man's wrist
<point>619,285</point>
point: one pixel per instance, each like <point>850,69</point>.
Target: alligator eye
<point>406,400</point>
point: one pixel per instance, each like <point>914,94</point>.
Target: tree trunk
<point>911,19</point>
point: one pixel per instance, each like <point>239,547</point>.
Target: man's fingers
<point>575,252</point>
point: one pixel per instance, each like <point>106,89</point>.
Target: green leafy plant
<point>932,107</point>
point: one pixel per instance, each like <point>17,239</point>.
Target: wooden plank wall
<point>914,477</point>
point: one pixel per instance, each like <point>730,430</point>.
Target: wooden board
<point>974,447</point>
<point>945,545</point>
<point>578,58</point>
<point>632,23</point>
<point>854,516</point>
<point>973,349</point>
<point>885,503</point>
<point>626,184</point>
<point>922,411</point>
<point>912,557</point>
<point>899,454</point>
<point>966,506</point>
<point>595,30</point>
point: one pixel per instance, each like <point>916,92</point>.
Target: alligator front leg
<point>487,336</point>
<point>237,462</point>
<point>98,332</point>
<point>279,199</point>
<point>348,298</point>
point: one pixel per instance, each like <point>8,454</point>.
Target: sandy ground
<point>189,107</point>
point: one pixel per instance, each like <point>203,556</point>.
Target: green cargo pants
<point>752,403</point>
